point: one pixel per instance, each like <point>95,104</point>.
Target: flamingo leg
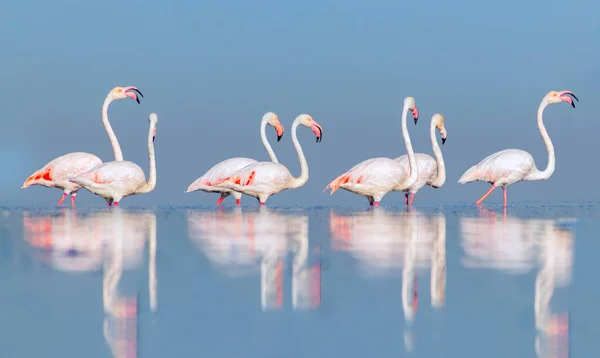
<point>73,195</point>
<point>220,200</point>
<point>370,198</point>
<point>486,195</point>
<point>116,203</point>
<point>406,198</point>
<point>62,198</point>
<point>238,201</point>
<point>376,203</point>
<point>504,190</point>
<point>412,196</point>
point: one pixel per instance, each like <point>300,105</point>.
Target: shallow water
<point>454,281</point>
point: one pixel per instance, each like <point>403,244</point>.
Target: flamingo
<point>431,171</point>
<point>116,180</point>
<point>512,165</point>
<point>57,172</point>
<point>263,179</point>
<point>229,166</point>
<point>373,178</point>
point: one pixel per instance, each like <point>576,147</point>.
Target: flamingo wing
<point>123,177</point>
<point>503,167</point>
<point>260,177</point>
<point>220,171</point>
<point>58,171</point>
<point>369,176</point>
<point>427,168</point>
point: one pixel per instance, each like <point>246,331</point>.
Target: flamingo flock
<point>372,178</point>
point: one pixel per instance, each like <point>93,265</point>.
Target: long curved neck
<point>152,179</point>
<point>265,141</point>
<point>303,178</point>
<point>546,173</point>
<point>439,159</point>
<point>111,134</point>
<point>412,161</point>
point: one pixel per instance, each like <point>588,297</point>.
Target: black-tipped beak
<point>416,120</point>
<point>320,136</point>
<point>443,141</point>
<point>153,138</point>
<point>279,137</point>
<point>137,99</point>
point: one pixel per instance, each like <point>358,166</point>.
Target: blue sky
<point>211,69</point>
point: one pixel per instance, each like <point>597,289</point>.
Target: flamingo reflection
<point>241,243</point>
<point>108,240</point>
<point>384,241</point>
<point>515,245</point>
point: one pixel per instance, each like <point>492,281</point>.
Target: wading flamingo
<point>431,171</point>
<point>227,167</point>
<point>57,172</point>
<point>263,179</point>
<point>376,177</point>
<point>512,165</point>
<point>116,180</point>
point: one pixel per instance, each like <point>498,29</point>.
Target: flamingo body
<point>372,178</point>
<point>427,170</point>
<point>216,174</point>
<point>57,172</point>
<point>113,180</point>
<point>501,168</point>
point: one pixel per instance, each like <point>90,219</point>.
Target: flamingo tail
<point>469,176</point>
<point>337,183</point>
<point>41,174</point>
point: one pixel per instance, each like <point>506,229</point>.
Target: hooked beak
<point>318,131</point>
<point>415,113</point>
<point>565,98</point>
<point>131,94</point>
<point>153,134</point>
<point>279,129</point>
<point>443,141</point>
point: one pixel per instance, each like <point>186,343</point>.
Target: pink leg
<point>406,198</point>
<point>504,190</point>
<point>261,203</point>
<point>220,200</point>
<point>486,195</point>
<point>62,198</point>
<point>376,204</point>
<point>238,201</point>
<point>412,196</point>
<point>109,203</point>
<point>73,199</point>
<point>116,203</point>
<point>370,203</point>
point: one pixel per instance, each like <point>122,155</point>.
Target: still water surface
<point>454,281</point>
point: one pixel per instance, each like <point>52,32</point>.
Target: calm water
<point>455,281</point>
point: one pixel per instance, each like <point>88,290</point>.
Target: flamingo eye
<point>554,94</point>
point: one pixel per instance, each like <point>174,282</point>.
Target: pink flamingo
<point>227,167</point>
<point>431,171</point>
<point>116,180</point>
<point>512,165</point>
<point>57,172</point>
<point>374,178</point>
<point>263,179</point>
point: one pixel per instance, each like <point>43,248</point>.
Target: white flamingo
<point>57,172</point>
<point>229,166</point>
<point>116,180</point>
<point>431,171</point>
<point>512,165</point>
<point>373,178</point>
<point>263,179</point>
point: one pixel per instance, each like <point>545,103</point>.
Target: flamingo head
<point>272,120</point>
<point>438,121</point>
<point>409,102</point>
<point>307,121</point>
<point>153,119</point>
<point>561,96</point>
<point>124,92</point>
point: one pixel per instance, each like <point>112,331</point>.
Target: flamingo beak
<point>444,135</point>
<point>318,131</point>
<point>154,134</point>
<point>279,129</point>
<point>415,113</point>
<point>564,96</point>
<point>131,94</point>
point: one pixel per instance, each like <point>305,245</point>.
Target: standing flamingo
<point>116,180</point>
<point>376,177</point>
<point>263,179</point>
<point>57,172</point>
<point>512,165</point>
<point>229,166</point>
<point>431,171</point>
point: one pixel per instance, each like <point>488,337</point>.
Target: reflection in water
<point>512,244</point>
<point>240,242</point>
<point>111,239</point>
<point>383,241</point>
